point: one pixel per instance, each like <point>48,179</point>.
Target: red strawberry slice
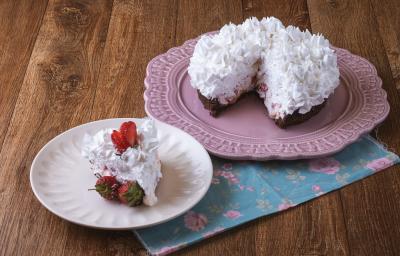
<point>119,141</point>
<point>128,130</point>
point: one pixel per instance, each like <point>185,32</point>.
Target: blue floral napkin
<point>242,191</point>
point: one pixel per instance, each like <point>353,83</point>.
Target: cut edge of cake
<point>289,116</point>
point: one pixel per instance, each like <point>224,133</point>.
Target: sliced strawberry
<point>128,130</point>
<point>119,141</point>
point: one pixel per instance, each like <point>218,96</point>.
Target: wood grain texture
<point>139,31</point>
<point>198,17</point>
<point>315,228</point>
<point>55,95</point>
<point>88,63</point>
<point>371,227</point>
<point>289,12</point>
<point>17,37</point>
<point>387,14</point>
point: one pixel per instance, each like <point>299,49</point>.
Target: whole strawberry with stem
<point>107,187</point>
<point>130,193</point>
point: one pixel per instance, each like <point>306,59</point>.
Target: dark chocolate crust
<point>213,105</point>
<point>215,108</point>
<point>297,118</point>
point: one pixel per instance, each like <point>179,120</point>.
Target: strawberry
<point>130,193</point>
<point>119,141</point>
<point>107,187</point>
<point>126,137</point>
<point>128,130</point>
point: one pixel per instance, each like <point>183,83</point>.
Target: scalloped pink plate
<point>244,131</point>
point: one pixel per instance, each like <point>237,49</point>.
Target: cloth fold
<point>242,191</point>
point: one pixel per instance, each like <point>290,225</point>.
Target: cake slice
<point>130,156</point>
<point>223,66</point>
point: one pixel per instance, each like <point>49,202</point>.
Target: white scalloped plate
<point>60,178</point>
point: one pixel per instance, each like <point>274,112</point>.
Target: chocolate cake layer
<point>297,118</point>
<point>215,108</point>
<point>213,105</point>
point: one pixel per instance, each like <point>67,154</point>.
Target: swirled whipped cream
<point>224,64</point>
<point>298,71</point>
<point>139,163</point>
<point>294,70</point>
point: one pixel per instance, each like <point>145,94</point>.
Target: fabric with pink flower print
<point>327,165</point>
<point>379,164</point>
<point>242,191</point>
<point>285,205</point>
<point>232,214</point>
<point>195,221</point>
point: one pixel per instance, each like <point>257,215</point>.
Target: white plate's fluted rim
<point>108,227</point>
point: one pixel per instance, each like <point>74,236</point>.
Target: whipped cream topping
<point>295,70</point>
<point>140,163</point>
<point>298,71</point>
<point>226,63</point>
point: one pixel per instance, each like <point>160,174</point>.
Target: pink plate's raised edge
<point>279,155</point>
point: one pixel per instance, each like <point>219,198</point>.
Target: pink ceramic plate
<point>244,131</point>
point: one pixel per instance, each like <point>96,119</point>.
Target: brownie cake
<point>294,72</point>
<point>297,118</point>
<point>213,105</point>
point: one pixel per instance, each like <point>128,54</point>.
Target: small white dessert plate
<point>60,178</point>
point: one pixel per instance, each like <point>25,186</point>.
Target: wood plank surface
<point>138,32</point>
<point>55,95</point>
<point>372,229</point>
<point>289,12</point>
<point>198,17</point>
<point>387,14</point>
<point>17,37</point>
<point>67,62</point>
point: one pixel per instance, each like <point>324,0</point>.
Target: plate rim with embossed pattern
<point>188,144</point>
<point>366,92</point>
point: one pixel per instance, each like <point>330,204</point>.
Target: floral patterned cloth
<point>242,191</point>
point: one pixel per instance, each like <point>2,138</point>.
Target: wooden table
<point>64,63</point>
